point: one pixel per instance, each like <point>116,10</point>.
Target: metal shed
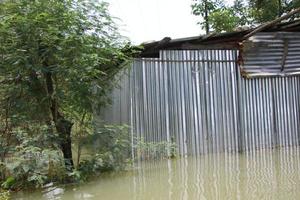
<point>216,93</point>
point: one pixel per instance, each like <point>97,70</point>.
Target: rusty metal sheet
<point>271,54</point>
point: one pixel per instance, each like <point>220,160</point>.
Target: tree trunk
<point>279,8</point>
<point>64,128</point>
<point>62,125</point>
<point>206,17</point>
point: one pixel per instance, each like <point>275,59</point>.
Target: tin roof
<point>227,40</point>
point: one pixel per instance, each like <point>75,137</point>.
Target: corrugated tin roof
<point>212,41</point>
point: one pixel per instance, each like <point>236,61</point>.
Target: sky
<point>149,20</point>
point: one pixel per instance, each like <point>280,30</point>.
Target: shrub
<point>109,148</point>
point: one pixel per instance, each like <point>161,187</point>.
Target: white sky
<point>148,20</point>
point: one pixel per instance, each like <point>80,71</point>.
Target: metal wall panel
<point>119,111</point>
<point>272,54</point>
<point>199,100</point>
<point>270,112</point>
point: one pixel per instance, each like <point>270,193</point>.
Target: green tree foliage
<point>265,10</point>
<point>54,54</point>
<point>204,9</point>
<point>223,20</point>
<point>220,17</point>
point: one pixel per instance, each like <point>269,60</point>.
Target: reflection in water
<point>264,174</point>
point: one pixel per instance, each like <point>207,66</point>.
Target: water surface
<point>264,174</point>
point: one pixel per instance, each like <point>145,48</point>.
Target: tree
<point>263,13</point>
<point>223,20</point>
<point>52,54</point>
<point>220,17</point>
<point>276,8</point>
<point>204,9</point>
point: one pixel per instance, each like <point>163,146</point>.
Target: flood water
<point>264,174</point>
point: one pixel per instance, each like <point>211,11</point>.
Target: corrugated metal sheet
<point>199,100</point>
<point>271,54</point>
<point>119,111</point>
<point>269,110</point>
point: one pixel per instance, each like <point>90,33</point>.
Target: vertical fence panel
<point>198,99</point>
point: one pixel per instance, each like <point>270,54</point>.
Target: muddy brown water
<point>264,174</point>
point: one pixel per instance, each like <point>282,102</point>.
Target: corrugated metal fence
<point>199,100</point>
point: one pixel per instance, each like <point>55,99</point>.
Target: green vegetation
<point>4,195</point>
<point>108,149</point>
<point>153,150</point>
<point>219,17</point>
<point>58,61</point>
